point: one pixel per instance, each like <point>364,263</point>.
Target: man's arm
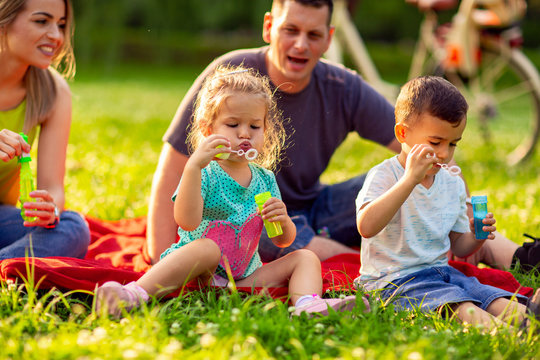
<point>161,229</point>
<point>394,145</point>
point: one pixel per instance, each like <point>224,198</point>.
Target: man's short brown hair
<point>312,3</point>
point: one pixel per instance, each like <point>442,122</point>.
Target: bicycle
<point>479,52</point>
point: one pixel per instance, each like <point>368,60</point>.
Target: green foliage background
<point>194,31</point>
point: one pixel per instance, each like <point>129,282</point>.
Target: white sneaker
<point>113,297</point>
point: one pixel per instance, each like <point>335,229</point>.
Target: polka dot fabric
<point>227,202</point>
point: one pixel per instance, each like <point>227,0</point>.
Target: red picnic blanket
<point>117,252</point>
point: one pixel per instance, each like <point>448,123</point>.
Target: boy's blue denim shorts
<point>332,214</point>
<point>434,287</point>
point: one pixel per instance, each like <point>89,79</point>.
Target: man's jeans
<point>332,214</point>
<point>69,238</point>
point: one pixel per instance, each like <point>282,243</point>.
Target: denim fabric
<point>433,287</point>
<point>332,212</point>
<point>69,238</point>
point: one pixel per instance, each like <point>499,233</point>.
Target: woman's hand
<point>208,150</point>
<point>11,145</point>
<point>43,209</point>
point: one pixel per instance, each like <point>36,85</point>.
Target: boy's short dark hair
<point>431,94</point>
<point>312,3</point>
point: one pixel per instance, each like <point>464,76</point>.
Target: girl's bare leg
<point>301,270</point>
<point>196,259</point>
<point>199,258</point>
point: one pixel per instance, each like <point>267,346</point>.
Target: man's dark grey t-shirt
<point>317,120</point>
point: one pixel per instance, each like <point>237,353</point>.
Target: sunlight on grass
<point>118,123</point>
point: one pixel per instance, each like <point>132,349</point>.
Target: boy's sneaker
<point>534,305</point>
<point>113,297</point>
<point>321,306</point>
<point>528,255</point>
<point>533,310</point>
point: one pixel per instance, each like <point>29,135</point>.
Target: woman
<point>35,39</point>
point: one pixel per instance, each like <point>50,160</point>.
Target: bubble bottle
<point>26,181</point>
<point>273,229</point>
<point>479,204</point>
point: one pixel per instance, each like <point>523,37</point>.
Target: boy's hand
<point>418,163</point>
<point>274,210</point>
<point>488,222</point>
<point>208,150</point>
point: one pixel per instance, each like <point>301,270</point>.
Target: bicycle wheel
<point>504,101</point>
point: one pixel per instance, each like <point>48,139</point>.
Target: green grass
<point>120,115</point>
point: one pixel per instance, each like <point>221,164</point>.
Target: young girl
<point>35,35</point>
<point>214,204</point>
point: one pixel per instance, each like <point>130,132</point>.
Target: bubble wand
<point>250,155</point>
<point>452,170</point>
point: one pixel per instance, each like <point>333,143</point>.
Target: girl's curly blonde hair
<point>231,80</point>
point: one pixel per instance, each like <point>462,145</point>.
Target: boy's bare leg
<point>469,313</point>
<point>199,258</point>
<point>509,311</point>
<point>301,269</point>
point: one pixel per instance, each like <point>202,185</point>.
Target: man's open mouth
<point>297,60</point>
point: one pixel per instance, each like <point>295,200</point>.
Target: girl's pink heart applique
<point>238,244</point>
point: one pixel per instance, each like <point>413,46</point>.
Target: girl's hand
<point>11,145</point>
<point>418,163</point>
<point>488,222</point>
<point>274,210</point>
<point>43,209</point>
<point>208,150</point>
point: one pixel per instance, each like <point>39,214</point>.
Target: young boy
<point>410,213</point>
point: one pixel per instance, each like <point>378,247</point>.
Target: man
<point>323,103</point>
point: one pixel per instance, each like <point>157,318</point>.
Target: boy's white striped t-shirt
<point>417,237</point>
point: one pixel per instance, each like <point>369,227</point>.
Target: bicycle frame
<point>459,51</point>
<point>478,51</point>
<point>462,44</point>
<point>347,35</point>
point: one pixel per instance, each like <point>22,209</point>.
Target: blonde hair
<point>227,81</point>
<point>40,84</point>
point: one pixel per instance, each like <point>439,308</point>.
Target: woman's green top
<point>9,171</point>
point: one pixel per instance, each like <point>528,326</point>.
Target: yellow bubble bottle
<point>273,229</point>
<point>26,181</point>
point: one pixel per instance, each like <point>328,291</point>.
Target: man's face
<point>298,36</point>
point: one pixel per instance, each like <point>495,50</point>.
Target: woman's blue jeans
<point>70,237</point>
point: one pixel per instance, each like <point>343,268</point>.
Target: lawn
<point>119,117</point>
